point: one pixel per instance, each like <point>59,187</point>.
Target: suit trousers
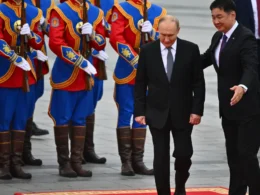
<point>258,52</point>
<point>183,151</point>
<point>242,145</point>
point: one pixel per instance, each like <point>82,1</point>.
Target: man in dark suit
<point>171,70</point>
<point>248,13</point>
<point>233,52</point>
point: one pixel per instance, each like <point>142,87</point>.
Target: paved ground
<point>209,161</point>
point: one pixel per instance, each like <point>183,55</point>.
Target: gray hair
<point>169,18</point>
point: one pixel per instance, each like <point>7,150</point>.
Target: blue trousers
<point>124,98</point>
<point>14,108</point>
<point>97,91</point>
<point>39,89</point>
<point>31,100</point>
<point>71,107</point>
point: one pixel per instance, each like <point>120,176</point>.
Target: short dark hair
<point>226,5</point>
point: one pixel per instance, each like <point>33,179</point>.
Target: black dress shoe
<point>37,131</point>
<point>180,193</point>
<point>92,157</point>
<point>28,159</point>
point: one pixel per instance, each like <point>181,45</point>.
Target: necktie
<point>169,63</point>
<point>258,13</point>
<point>223,44</point>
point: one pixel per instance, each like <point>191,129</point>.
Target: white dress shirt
<point>164,52</point>
<point>255,12</point>
<point>217,51</point>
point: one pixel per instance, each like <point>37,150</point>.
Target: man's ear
<point>233,13</point>
<point>178,30</point>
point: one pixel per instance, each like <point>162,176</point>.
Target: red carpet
<point>190,191</point>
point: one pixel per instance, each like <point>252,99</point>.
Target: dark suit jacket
<point>238,65</point>
<point>245,15</point>
<point>185,94</point>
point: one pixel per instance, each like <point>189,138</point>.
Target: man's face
<point>168,33</point>
<point>222,20</point>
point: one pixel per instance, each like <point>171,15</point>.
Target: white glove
<point>87,28</point>
<point>42,20</point>
<point>102,55</point>
<point>90,69</point>
<point>23,64</point>
<point>41,56</point>
<point>25,30</point>
<point>147,27</point>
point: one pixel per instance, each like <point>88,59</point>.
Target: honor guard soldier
<point>127,25</point>
<point>99,57</point>
<point>72,78</point>
<point>42,68</point>
<point>19,32</point>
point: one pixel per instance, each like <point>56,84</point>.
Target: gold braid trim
<point>126,79</point>
<point>99,19</point>
<point>8,74</point>
<point>9,28</point>
<point>69,26</point>
<point>68,82</point>
<point>49,109</point>
<point>36,19</point>
<point>156,20</point>
<point>48,12</point>
<point>131,24</point>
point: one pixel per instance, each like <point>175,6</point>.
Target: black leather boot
<point>36,131</point>
<point>5,151</point>
<point>28,158</point>
<point>89,149</point>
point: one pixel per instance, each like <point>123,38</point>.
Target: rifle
<point>85,52</point>
<point>23,48</point>
<point>38,4</point>
<point>39,67</point>
<point>145,36</point>
<point>102,73</point>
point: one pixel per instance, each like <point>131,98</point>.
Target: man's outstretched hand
<point>140,120</point>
